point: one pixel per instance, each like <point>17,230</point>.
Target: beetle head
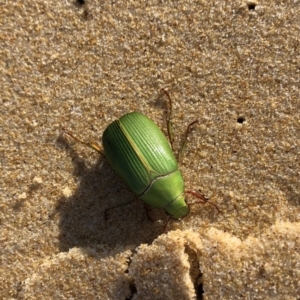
<point>178,208</point>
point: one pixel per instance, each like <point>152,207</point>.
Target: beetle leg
<point>202,200</point>
<point>165,227</point>
<point>117,206</point>
<point>94,146</point>
<point>170,128</point>
<point>183,146</point>
<point>148,209</point>
<point>169,119</point>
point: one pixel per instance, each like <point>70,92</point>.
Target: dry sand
<point>233,65</point>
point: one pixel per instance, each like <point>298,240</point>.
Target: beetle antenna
<point>94,146</point>
<point>202,200</point>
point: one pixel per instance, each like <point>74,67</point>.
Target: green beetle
<point>141,155</point>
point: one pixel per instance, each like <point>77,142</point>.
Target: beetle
<point>141,155</point>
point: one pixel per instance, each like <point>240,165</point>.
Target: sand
<point>232,65</point>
